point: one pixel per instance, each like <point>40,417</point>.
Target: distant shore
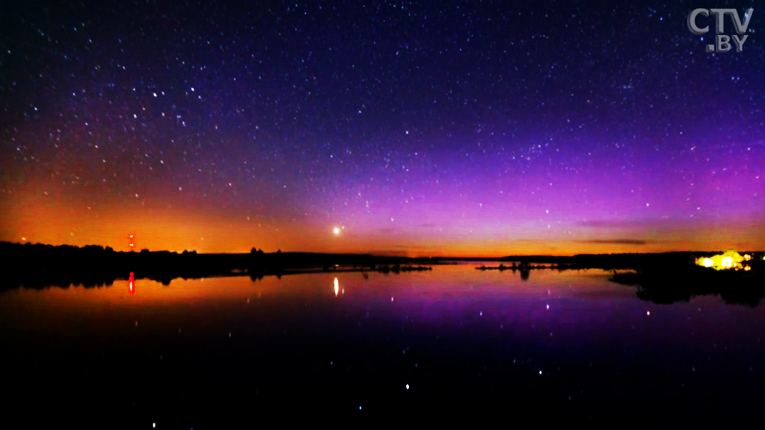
<point>663,276</point>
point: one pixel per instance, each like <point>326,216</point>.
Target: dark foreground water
<point>452,343</point>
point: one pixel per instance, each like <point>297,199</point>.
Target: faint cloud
<point>606,223</point>
<point>400,229</point>
<point>615,241</point>
<point>428,225</point>
<point>591,241</point>
<point>412,247</point>
<point>652,223</point>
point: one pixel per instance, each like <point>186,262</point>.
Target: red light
<point>131,283</point>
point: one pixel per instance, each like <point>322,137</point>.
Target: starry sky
<point>462,128</point>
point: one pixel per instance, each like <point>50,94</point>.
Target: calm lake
<point>202,353</point>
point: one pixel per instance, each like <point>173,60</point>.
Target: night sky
<point>442,128</point>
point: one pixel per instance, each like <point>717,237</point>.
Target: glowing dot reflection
<point>337,287</point>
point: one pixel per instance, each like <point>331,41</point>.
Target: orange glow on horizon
<point>63,221</point>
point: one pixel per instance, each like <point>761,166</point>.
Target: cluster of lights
<point>726,261</point>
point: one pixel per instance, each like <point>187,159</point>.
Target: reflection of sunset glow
<point>130,281</point>
<point>337,287</point>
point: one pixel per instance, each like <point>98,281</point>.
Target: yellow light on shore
<point>728,260</point>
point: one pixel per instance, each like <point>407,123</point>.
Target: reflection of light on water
<point>337,287</point>
<point>131,280</point>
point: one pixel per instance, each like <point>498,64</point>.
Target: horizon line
<point>391,254</point>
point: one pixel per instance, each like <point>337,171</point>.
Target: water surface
<point>352,346</point>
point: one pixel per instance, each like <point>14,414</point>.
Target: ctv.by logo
<point>722,41</point>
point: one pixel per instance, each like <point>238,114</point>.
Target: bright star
<point>336,231</point>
